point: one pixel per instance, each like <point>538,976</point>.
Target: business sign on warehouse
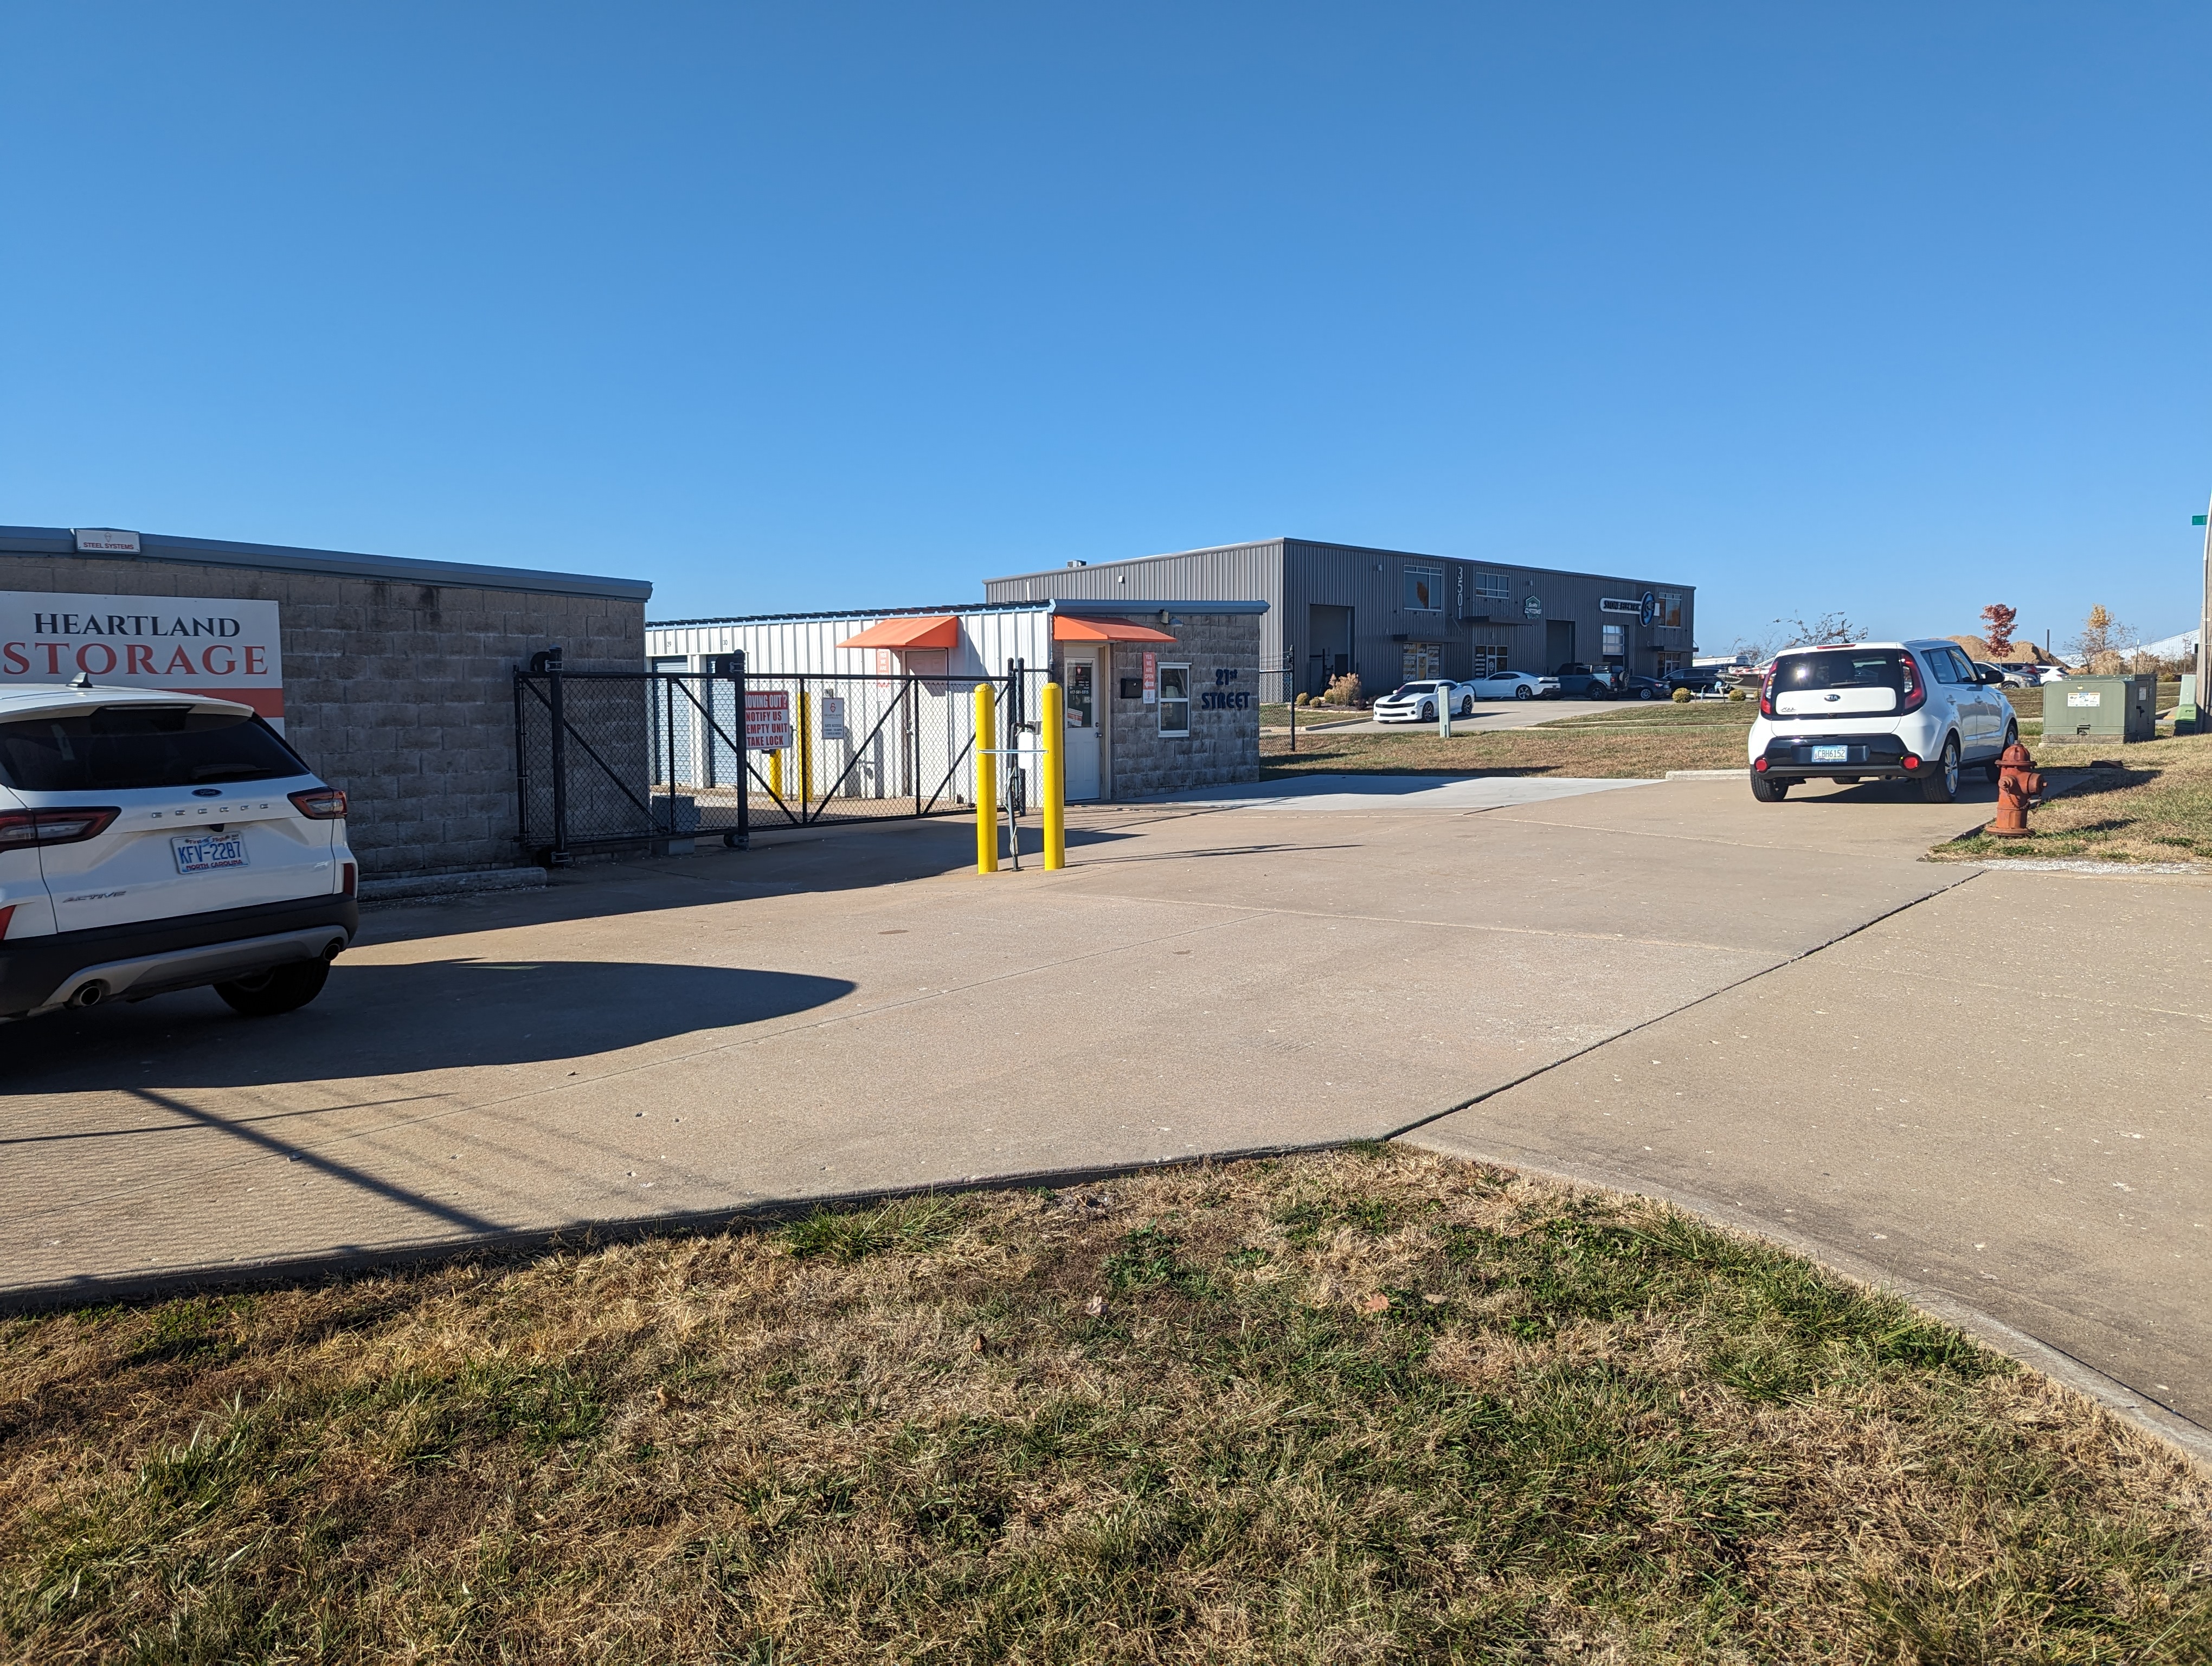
<point>226,649</point>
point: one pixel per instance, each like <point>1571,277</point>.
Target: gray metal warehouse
<point>1388,615</point>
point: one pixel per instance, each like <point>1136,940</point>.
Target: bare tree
<point>2103,643</point>
<point>1828,628</point>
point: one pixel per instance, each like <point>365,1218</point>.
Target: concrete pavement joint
<point>1445,925</point>
<point>1661,1018</point>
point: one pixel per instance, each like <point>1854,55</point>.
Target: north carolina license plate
<point>1831,755</point>
<point>198,855</point>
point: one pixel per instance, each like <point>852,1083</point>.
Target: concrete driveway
<point>1546,980</point>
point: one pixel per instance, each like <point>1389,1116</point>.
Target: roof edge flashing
<point>50,541</point>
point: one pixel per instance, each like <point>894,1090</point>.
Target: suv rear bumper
<point>149,957</point>
<point>1790,757</point>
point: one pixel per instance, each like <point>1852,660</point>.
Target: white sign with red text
<point>192,645</point>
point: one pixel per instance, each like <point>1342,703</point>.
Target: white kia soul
<point>151,842</point>
<point>1914,711</point>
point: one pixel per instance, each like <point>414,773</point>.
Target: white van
<point>152,842</point>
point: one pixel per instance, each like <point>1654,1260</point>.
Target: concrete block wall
<point>401,693</point>
<point>1222,746</point>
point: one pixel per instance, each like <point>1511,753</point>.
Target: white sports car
<point>1514,685</point>
<point>1416,703</point>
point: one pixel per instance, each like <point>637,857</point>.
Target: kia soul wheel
<point>1942,785</point>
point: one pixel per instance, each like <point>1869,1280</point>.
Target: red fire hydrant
<point>2018,786</point>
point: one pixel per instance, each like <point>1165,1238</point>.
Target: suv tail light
<point>349,879</point>
<point>6,915</point>
<point>320,804</point>
<point>1916,692</point>
<point>1767,691</point>
<point>22,829</point>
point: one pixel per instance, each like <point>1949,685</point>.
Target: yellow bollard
<point>1055,727</point>
<point>775,773</point>
<point>806,750</point>
<point>987,781</point>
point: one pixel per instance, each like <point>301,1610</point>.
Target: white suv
<point>1914,711</point>
<point>151,842</point>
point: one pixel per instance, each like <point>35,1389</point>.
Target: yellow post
<point>1054,729</point>
<point>987,781</point>
<point>775,773</point>
<point>805,749</point>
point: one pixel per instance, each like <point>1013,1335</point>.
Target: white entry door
<point>1080,672</point>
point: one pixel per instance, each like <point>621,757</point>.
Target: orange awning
<point>942,631</point>
<point>1068,629</point>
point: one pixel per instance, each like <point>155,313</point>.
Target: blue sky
<point>1897,310</point>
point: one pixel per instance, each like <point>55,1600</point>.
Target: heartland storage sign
<point>225,648</point>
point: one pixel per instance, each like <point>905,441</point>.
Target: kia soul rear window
<point>1839,668</point>
<point>113,749</point>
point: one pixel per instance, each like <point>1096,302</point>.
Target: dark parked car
<point>1580,682</point>
<point>1646,688</point>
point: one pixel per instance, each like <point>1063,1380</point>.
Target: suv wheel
<point>280,989</point>
<point>1942,786</point>
<point>1767,791</point>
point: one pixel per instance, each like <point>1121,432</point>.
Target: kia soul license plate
<point>199,855</point>
<point>1831,755</point>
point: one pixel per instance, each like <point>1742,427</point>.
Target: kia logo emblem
<point>217,792</point>
<point>1832,697</point>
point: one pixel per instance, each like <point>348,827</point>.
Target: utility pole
<point>2205,626</point>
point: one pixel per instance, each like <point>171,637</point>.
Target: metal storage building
<point>1161,694</point>
<point>1391,614</point>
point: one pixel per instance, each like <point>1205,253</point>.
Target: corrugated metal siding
<point>987,641</point>
<point>1228,573</point>
<point>1372,583</point>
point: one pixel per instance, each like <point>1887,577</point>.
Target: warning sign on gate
<point>767,720</point>
<point>832,717</point>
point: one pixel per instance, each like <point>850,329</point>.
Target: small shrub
<point>1305,700</point>
<point>1681,696</point>
<point>1344,690</point>
<point>1735,694</point>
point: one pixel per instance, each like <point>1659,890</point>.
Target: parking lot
<point>1777,1012</point>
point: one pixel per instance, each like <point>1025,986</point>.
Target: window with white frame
<point>1493,587</point>
<point>1175,700</point>
<point>1611,647</point>
<point>1425,589</point>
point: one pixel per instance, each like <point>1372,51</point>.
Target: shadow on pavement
<point>378,1020</point>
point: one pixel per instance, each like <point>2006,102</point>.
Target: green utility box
<point>2084,710</point>
<point>2187,719</point>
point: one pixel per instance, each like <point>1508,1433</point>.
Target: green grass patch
<point>1373,1406</point>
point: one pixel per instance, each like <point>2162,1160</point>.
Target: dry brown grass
<point>1373,1407</point>
<point>1637,739</point>
<point>2152,803</point>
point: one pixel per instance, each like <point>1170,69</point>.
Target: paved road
<point>855,1011</point>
